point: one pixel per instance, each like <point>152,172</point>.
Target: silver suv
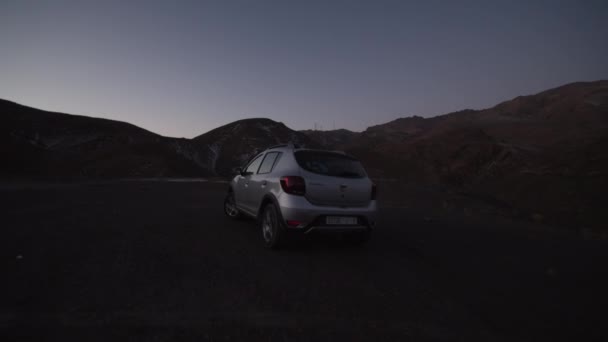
<point>302,190</point>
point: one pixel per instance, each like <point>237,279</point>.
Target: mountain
<point>37,143</point>
<point>233,144</point>
<point>544,154</point>
<point>334,138</point>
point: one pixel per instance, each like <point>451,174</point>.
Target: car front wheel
<point>230,208</point>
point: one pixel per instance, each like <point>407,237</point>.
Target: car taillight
<point>293,185</point>
<point>293,223</point>
<point>374,191</point>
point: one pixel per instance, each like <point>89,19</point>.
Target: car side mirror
<point>237,171</point>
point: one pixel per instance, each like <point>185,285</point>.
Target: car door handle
<point>264,183</point>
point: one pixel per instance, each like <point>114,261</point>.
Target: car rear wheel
<point>230,208</point>
<point>272,230</point>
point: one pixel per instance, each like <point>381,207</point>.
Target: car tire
<point>230,208</point>
<point>273,232</point>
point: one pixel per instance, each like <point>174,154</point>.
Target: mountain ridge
<point>542,153</point>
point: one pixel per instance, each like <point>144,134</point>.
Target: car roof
<point>294,148</point>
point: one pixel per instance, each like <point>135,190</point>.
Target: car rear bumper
<point>332,229</point>
<point>299,214</point>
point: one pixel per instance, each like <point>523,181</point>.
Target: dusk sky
<point>181,68</point>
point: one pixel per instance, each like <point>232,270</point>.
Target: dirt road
<point>150,260</point>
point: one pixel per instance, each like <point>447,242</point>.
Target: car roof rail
<point>276,146</point>
<point>290,145</point>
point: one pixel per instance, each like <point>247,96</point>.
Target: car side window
<point>268,162</point>
<point>253,166</point>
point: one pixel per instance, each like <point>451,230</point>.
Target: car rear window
<point>330,164</point>
<point>268,163</point>
<point>253,165</point>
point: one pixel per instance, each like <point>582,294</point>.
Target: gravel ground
<point>153,260</point>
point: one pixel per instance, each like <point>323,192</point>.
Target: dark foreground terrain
<point>149,260</point>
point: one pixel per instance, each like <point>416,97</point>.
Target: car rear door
<point>243,195</point>
<point>259,182</point>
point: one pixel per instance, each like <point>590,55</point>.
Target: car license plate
<point>342,220</point>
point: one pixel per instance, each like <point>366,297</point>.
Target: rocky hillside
<point>233,144</point>
<point>544,155</point>
<point>43,144</point>
<point>38,143</point>
<point>333,139</point>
